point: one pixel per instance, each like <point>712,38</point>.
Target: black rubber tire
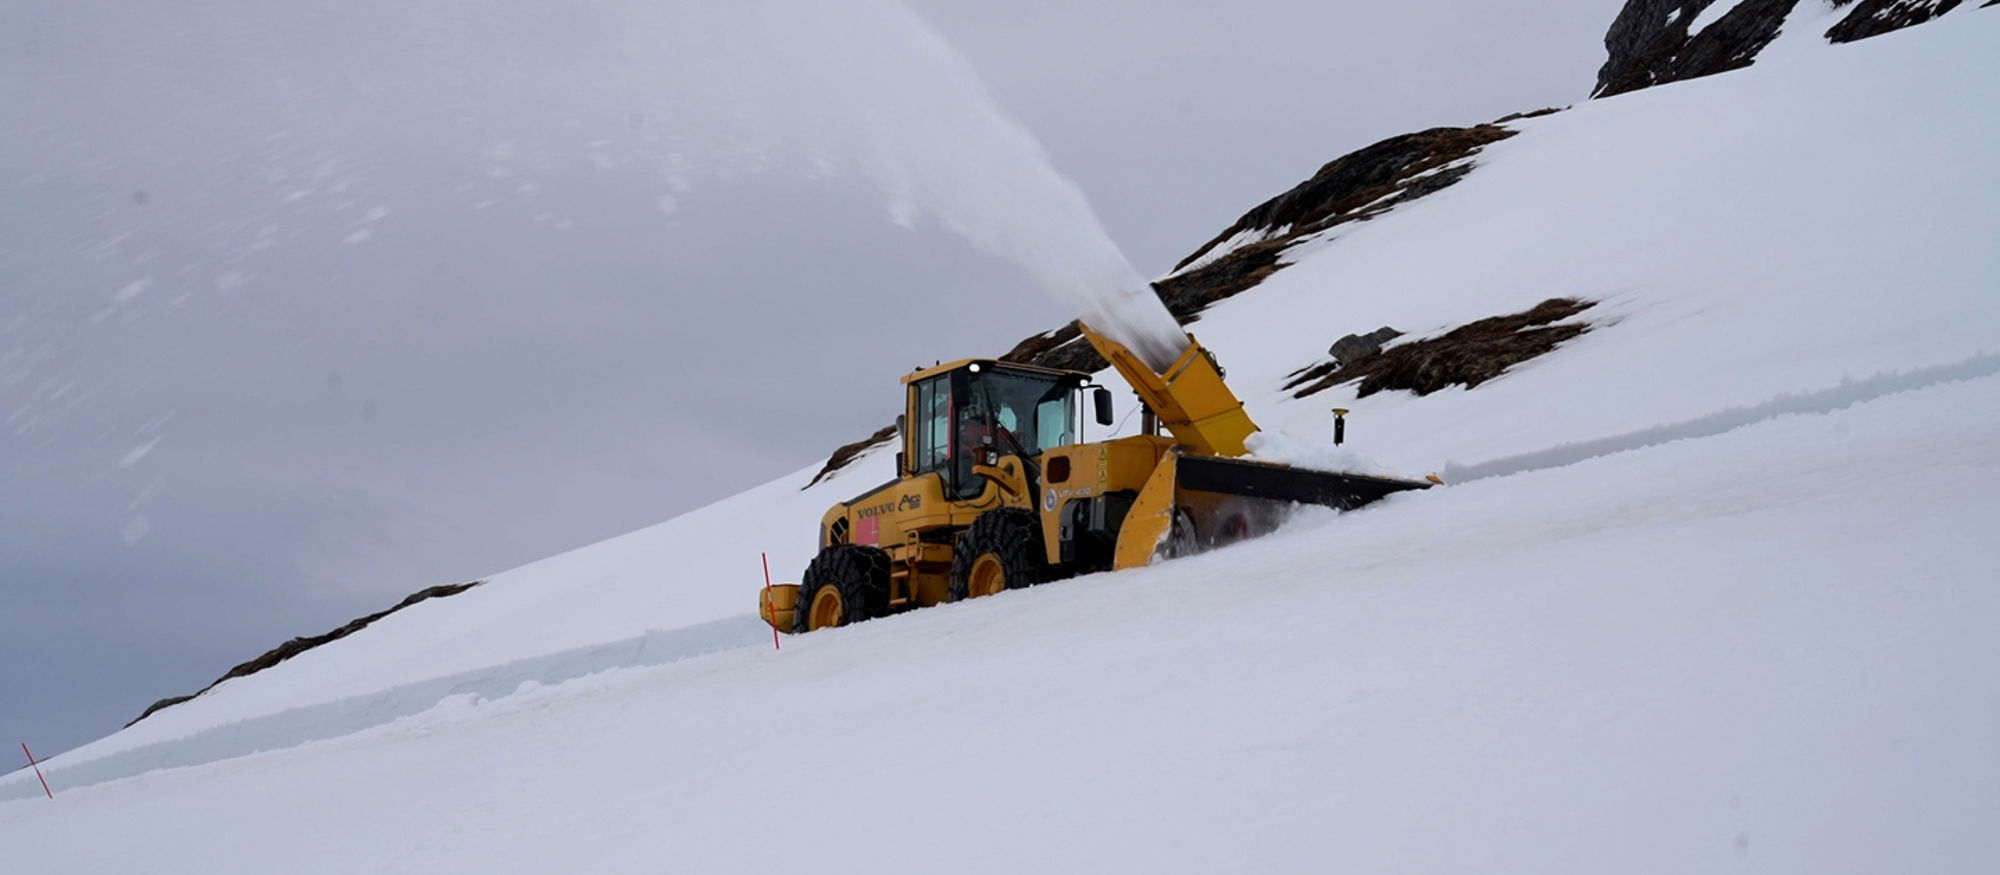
<point>861,576</point>
<point>1011,534</point>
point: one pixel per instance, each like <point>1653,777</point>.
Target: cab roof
<point>989,364</point>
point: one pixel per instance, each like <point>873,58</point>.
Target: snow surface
<point>1712,585</point>
<point>1711,15</point>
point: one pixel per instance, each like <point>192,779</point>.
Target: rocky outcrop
<point>1355,347</point>
<point>1465,356</point>
<point>1877,17</point>
<point>297,646</point>
<point>1063,348</point>
<point>849,452</point>
<point>1650,42</point>
<point>1359,185</point>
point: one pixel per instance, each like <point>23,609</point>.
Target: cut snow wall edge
<point>341,717</point>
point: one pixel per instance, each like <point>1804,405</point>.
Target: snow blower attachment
<point>993,491</point>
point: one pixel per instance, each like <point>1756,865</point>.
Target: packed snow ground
<point>1770,647</point>
<point>1714,588</point>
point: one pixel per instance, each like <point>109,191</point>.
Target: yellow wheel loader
<point>994,491</point>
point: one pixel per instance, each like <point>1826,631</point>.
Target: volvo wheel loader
<point>994,491</point>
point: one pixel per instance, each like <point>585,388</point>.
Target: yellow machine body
<point>981,438</point>
<point>1192,401</point>
<point>915,522</point>
<point>776,602</point>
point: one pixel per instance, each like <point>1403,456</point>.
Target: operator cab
<point>977,411</point>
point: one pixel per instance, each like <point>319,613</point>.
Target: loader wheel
<point>846,583</point>
<point>1002,550</point>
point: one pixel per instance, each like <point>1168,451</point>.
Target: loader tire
<point>1001,550</point>
<point>846,583</point>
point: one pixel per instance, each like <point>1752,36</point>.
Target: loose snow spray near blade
<point>869,83</point>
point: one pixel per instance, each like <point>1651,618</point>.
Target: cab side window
<point>932,430</point>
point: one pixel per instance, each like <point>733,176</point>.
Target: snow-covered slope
<point>1766,649</point>
<point>1730,603</point>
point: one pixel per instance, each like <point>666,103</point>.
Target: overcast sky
<point>307,305</point>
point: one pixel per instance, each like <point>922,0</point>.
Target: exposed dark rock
<point>1877,17</point>
<point>1187,294</point>
<point>1355,187</point>
<point>1315,377</point>
<point>1036,346</point>
<point>841,457</point>
<point>1063,348</point>
<point>1362,184</point>
<point>297,646</point>
<point>1648,43</point>
<point>1358,346</point>
<point>1536,113</point>
<point>1466,356</point>
<point>164,703</point>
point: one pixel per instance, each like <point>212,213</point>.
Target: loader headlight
<point>992,457</point>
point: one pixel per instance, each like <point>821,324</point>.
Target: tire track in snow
<point>1847,394</point>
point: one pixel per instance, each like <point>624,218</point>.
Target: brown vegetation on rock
<point>849,452</point>
<point>1466,356</point>
<point>1362,184</point>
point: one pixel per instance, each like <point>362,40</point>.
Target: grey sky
<point>304,306</point>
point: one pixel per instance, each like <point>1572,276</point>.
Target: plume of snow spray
<point>867,82</point>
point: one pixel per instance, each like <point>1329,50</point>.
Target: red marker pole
<point>767,599</point>
<point>38,770</point>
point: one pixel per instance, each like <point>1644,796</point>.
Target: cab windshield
<point>1019,413</point>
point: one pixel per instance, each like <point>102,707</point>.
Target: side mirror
<point>1102,399</point>
<point>901,423</point>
